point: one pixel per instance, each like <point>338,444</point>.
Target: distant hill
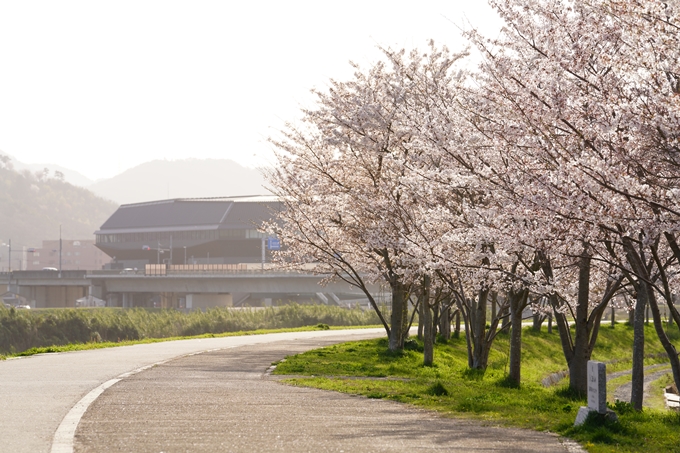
<point>33,206</point>
<point>71,176</point>
<point>190,178</point>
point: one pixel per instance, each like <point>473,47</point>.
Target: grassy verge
<point>110,344</point>
<point>22,330</point>
<point>367,368</point>
<point>656,390</point>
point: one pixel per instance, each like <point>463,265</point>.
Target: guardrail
<point>48,274</point>
<point>160,270</point>
<point>165,269</point>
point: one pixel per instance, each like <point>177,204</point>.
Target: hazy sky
<point>102,86</point>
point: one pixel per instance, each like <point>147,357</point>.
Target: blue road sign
<point>273,244</point>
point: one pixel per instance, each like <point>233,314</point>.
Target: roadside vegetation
<point>25,330</point>
<point>450,387</point>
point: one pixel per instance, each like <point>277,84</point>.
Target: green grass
<point>110,344</point>
<point>451,388</point>
<point>656,390</point>
<point>22,330</point>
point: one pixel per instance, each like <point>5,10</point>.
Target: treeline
<point>33,205</point>
<point>21,330</point>
<point>548,176</point>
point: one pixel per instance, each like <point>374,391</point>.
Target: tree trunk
<point>428,323</point>
<point>578,365</point>
<point>613,317</point>
<point>638,374</point>
<point>560,319</point>
<point>577,350</point>
<point>435,319</point>
<point>631,316</point>
<point>420,322</point>
<point>517,304</point>
<point>456,332</point>
<point>550,321</point>
<point>445,321</point>
<point>537,321</point>
<point>639,268</point>
<point>399,317</point>
<point>480,345</point>
<point>665,342</point>
<point>505,321</point>
<point>404,316</point>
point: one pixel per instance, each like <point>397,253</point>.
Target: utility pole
<point>10,255</point>
<point>60,250</point>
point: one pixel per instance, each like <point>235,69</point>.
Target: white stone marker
<point>597,386</point>
<point>597,392</point>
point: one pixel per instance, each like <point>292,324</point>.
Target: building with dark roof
<point>188,231</point>
<point>185,254</point>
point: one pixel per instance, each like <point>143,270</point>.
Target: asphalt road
<point>37,392</point>
<point>213,395</point>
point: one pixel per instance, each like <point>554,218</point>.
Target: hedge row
<point>24,329</point>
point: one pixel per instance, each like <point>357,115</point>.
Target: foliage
<point>21,330</point>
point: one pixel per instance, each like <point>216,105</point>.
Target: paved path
<point>37,392</point>
<point>222,401</point>
<point>623,392</point>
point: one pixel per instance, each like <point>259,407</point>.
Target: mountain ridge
<point>72,176</point>
<point>160,179</point>
<point>35,204</point>
<point>186,178</point>
<point>34,207</point>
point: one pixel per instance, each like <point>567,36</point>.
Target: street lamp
<point>159,250</point>
<point>185,255</point>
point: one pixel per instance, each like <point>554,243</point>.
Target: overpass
<point>180,287</point>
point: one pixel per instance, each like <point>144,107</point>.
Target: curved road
<point>217,401</point>
<point>37,392</point>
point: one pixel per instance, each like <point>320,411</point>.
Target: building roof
<point>192,213</point>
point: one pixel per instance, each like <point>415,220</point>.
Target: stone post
<point>597,386</point>
<point>597,394</point>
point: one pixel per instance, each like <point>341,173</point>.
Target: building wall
<point>53,296</point>
<point>203,301</point>
<point>75,255</point>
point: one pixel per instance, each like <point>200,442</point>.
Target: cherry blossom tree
<point>341,175</point>
<point>552,172</point>
<point>449,237</point>
<point>579,98</point>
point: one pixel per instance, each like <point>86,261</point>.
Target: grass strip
<point>656,390</point>
<point>112,344</point>
<point>22,330</point>
<point>452,389</point>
